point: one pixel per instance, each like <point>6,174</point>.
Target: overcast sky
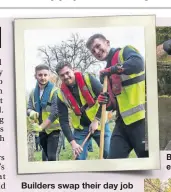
<point>118,36</point>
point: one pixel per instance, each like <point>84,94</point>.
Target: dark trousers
<point>49,143</point>
<point>37,141</point>
<point>44,157</point>
<point>63,141</point>
<point>127,137</point>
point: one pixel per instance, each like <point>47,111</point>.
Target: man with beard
<point>126,93</point>
<point>42,109</point>
<point>79,109</point>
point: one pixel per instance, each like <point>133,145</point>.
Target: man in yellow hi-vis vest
<point>42,108</point>
<point>79,109</point>
<point>126,93</point>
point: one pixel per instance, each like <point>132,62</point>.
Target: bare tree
<point>72,50</point>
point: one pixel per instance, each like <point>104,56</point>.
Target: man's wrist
<point>46,124</point>
<point>72,142</point>
<point>117,69</point>
<point>97,119</point>
<point>42,127</point>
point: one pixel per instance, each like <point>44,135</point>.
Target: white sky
<point>118,36</point>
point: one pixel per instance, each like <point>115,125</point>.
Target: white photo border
<point>149,24</point>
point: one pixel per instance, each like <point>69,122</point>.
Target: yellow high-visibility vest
<point>90,111</point>
<point>131,101</point>
<point>46,112</point>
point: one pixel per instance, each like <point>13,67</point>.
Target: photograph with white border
<point>41,43</point>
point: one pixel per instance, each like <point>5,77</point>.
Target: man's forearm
<point>29,106</point>
<point>96,86</point>
<point>99,112</point>
<point>133,65</point>
<point>97,89</point>
<point>54,109</point>
<point>64,120</point>
<point>67,131</point>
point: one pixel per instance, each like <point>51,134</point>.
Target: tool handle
<point>85,140</point>
<point>103,120</point>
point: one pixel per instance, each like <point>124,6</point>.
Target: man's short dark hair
<point>41,67</point>
<point>92,38</point>
<point>61,65</point>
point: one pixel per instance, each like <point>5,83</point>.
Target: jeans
<point>80,135</point>
<point>90,146</point>
<point>127,137</point>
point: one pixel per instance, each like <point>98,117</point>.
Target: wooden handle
<point>103,120</point>
<point>85,140</point>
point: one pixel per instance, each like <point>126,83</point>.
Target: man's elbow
<point>139,64</point>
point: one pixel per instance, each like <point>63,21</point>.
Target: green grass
<point>164,96</point>
<point>67,153</point>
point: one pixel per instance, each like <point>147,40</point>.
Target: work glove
<point>103,98</point>
<point>34,115</point>
<point>167,46</point>
<point>36,128</point>
<point>117,69</point>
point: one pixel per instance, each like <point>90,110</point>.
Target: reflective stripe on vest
<point>131,101</point>
<point>136,79</point>
<point>46,112</point>
<point>90,111</point>
<point>133,110</point>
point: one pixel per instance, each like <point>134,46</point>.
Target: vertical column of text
<point>2,138</point>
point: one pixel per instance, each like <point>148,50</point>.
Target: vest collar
<point>85,93</point>
<point>110,56</point>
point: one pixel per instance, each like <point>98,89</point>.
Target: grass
<point>164,96</point>
<point>66,154</point>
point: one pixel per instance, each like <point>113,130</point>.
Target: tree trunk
<point>31,145</point>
